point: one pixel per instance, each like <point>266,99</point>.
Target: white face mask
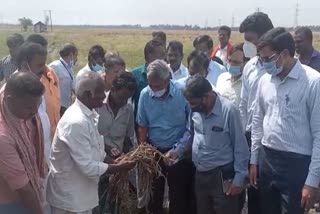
<point>249,49</point>
<point>159,93</point>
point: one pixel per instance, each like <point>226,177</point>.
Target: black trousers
<point>282,177</point>
<point>180,177</point>
<point>211,198</point>
<point>252,193</point>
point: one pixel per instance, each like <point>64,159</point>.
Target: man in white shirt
<point>253,27</point>
<point>77,155</point>
<point>174,58</point>
<point>198,63</point>
<point>95,61</point>
<point>286,128</point>
<point>229,83</point>
<point>222,50</point>
<point>204,44</point>
<point>63,68</point>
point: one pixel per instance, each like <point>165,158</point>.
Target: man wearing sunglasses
<point>285,128</point>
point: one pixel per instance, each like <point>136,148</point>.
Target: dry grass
<point>147,160</point>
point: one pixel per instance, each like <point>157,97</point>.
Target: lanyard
<point>67,69</point>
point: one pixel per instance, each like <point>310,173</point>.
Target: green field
<point>129,43</point>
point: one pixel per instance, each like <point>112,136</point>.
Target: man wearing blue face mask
<point>229,83</point>
<point>95,61</point>
<point>286,128</point>
<point>162,121</point>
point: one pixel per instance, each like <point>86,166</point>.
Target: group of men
<point>238,122</point>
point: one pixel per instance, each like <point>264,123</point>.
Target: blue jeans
<point>282,177</point>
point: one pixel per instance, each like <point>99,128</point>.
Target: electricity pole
<point>50,19</point>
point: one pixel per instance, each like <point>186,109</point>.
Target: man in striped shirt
<point>286,128</point>
<point>8,64</point>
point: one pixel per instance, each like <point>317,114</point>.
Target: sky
<point>147,12</point>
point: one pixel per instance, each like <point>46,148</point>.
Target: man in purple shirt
<point>307,54</point>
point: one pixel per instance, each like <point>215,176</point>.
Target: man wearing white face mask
<point>63,68</point>
<point>229,83</point>
<point>253,27</point>
<point>95,61</point>
<point>162,121</point>
<point>286,128</point>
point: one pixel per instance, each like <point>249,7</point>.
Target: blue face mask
<point>271,67</point>
<point>234,70</point>
<point>97,67</point>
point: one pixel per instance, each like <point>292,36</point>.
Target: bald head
<point>23,92</point>
<point>90,90</point>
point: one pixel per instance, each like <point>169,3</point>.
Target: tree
<point>25,22</point>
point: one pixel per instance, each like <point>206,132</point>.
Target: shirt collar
<point>144,69</point>
<point>86,110</point>
<point>225,48</point>
<point>179,69</point>
<point>62,60</point>
<point>88,67</point>
<point>106,100</point>
<point>295,71</point>
<point>315,53</point>
<point>216,110</point>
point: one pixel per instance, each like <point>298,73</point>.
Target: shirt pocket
<point>291,106</point>
<point>217,137</point>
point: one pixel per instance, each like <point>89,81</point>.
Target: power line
<point>296,17</point>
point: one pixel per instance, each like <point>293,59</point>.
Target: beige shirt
<point>228,88</point>
<point>116,128</point>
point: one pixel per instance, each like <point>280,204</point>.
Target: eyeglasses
<point>268,58</point>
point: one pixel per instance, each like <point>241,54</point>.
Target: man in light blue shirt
<point>63,69</point>
<point>219,149</point>
<point>285,128</point>
<point>252,27</point>
<point>162,120</point>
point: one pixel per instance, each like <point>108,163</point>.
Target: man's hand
<point>308,195</point>
<point>234,190</point>
<point>253,173</point>
<point>122,166</point>
<point>115,153</point>
<point>126,165</point>
<point>171,157</point>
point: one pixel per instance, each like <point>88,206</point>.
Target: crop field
<point>129,43</point>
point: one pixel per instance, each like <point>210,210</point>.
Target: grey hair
<point>87,82</point>
<point>158,69</point>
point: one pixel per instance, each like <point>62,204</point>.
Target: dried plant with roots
<point>147,158</point>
